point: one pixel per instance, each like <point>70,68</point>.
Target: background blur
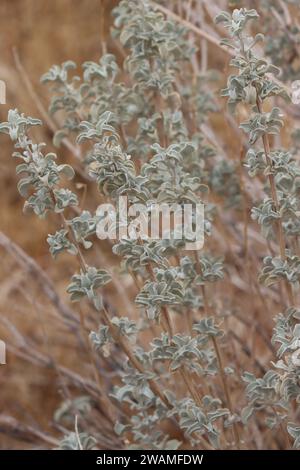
<point>44,360</point>
<point>44,33</point>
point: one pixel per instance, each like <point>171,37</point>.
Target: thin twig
<point>200,32</point>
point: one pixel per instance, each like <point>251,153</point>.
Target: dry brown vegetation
<point>46,363</point>
<point>29,392</point>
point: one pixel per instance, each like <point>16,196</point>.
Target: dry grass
<point>38,374</point>
<point>43,33</point>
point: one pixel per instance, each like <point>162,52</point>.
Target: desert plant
<point>144,130</point>
<point>277,214</point>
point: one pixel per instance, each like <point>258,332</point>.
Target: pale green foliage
<point>294,431</point>
<point>281,46</point>
<point>86,284</point>
<point>139,127</point>
<point>82,441</point>
<point>253,85</point>
<point>98,109</point>
<point>194,419</point>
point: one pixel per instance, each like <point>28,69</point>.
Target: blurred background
<point>43,33</point>
<point>45,366</point>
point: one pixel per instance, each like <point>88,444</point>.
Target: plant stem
<point>226,390</point>
<point>281,238</point>
<point>271,178</point>
<point>219,357</point>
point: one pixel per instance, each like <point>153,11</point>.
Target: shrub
<point>145,130</point>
